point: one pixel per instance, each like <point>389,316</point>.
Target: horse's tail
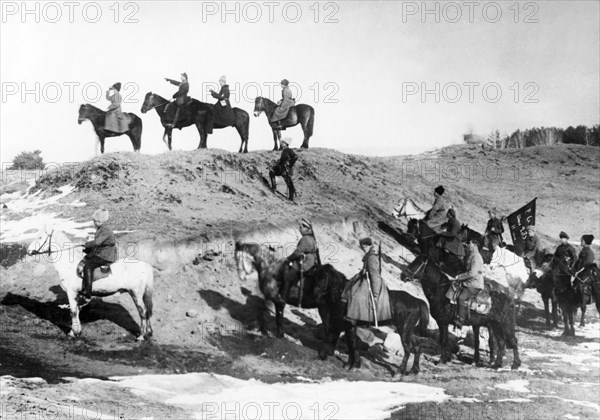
<point>148,294</point>
<point>311,123</point>
<point>423,318</point>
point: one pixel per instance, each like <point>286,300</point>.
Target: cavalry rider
<point>436,215</point>
<point>450,238</point>
<point>99,251</point>
<point>283,106</point>
<point>302,259</point>
<point>531,249</point>
<point>586,256</point>
<point>565,252</point>
<point>472,282</point>
<point>285,167</point>
<point>492,237</point>
<point>114,120</point>
<point>179,97</point>
<point>222,111</point>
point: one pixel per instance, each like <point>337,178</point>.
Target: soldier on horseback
<point>470,283</point>
<point>100,251</point>
<point>586,256</point>
<point>115,120</point>
<point>283,106</point>
<point>285,168</point>
<point>222,111</point>
<point>179,98</point>
<point>565,252</point>
<point>492,237</point>
<point>531,249</point>
<point>450,238</point>
<point>436,215</point>
<point>303,259</point>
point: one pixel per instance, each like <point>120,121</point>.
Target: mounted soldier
<point>435,217</point>
<point>303,259</point>
<point>222,112</point>
<point>285,168</point>
<point>100,251</point>
<point>450,238</point>
<point>586,256</point>
<point>531,250</point>
<point>565,252</point>
<point>283,106</point>
<point>366,293</point>
<point>469,283</point>
<point>180,97</point>
<point>492,237</point>
<point>115,120</point>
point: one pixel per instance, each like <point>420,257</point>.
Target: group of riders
<point>221,112</point>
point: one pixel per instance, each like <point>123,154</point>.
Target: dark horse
<point>500,321</point>
<point>97,116</point>
<point>322,289</point>
<point>299,114</point>
<point>195,113</point>
<point>545,287</point>
<point>572,296</point>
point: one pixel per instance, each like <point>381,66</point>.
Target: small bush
<point>28,161</point>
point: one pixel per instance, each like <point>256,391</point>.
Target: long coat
<point>586,258</point>
<point>307,246</point>
<point>222,110</point>
<point>566,254</point>
<point>360,306</point>
<point>103,245</point>
<point>473,277</point>
<point>181,94</point>
<point>436,216</point>
<point>283,107</point>
<point>452,237</point>
<point>531,248</point>
<point>115,120</point>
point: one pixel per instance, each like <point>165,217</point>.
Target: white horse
<point>407,208</point>
<point>514,267</point>
<point>131,276</point>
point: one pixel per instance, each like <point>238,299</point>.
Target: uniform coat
<point>452,237</point>
<point>436,216</point>
<point>473,277</point>
<point>103,245</point>
<point>181,94</point>
<point>223,113</point>
<point>284,105</point>
<point>307,246</point>
<point>586,258</point>
<point>115,120</point>
<point>566,254</point>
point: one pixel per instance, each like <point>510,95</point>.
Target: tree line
<point>546,136</point>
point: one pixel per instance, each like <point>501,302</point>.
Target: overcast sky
<point>361,65</point>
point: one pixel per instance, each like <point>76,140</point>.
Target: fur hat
<point>366,241</point>
<point>100,215</point>
<point>223,79</point>
<point>439,190</point>
<point>117,86</point>
<point>184,74</point>
<point>451,212</point>
<point>285,82</point>
<point>286,140</point>
<point>563,235</point>
<point>588,239</point>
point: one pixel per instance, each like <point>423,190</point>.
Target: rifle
<point>372,299</point>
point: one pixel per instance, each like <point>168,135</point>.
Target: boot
<point>175,118</point>
<point>461,315</point>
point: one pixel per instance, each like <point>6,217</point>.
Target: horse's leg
<point>275,138</point>
<point>554,310</point>
<point>203,136</point>
<point>501,347</point>
<point>583,308</point>
<point>101,144</point>
<point>446,353</point>
<point>512,341</point>
<point>306,137</point>
<point>547,309</point>
<point>74,309</point>
<point>141,307</point>
<point>353,356</point>
<point>492,344</point>
<point>404,331</point>
<point>476,354</point>
<point>279,307</point>
<point>327,348</point>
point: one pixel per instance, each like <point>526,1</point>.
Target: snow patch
<point>518,385</point>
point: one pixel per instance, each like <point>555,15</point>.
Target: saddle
<point>99,273</point>
<point>294,293</point>
<point>480,303</point>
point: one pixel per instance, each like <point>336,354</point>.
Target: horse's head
<point>42,244</point>
<point>246,257</point>
<point>412,228</point>
<point>396,211</point>
<point>259,106</point>
<point>149,102</point>
<point>415,270</point>
<point>84,113</point>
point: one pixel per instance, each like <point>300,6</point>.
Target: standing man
<point>472,282</point>
<point>283,106</point>
<point>493,232</point>
<point>531,249</point>
<point>436,215</point>
<point>285,168</point>
<point>179,97</point>
<point>565,252</point>
<point>305,251</point>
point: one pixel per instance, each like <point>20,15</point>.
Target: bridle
<point>47,240</point>
<point>411,275</point>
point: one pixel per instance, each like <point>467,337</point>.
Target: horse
<point>196,114</point>
<point>500,321</point>
<point>97,117</point>
<point>323,290</point>
<point>136,279</point>
<point>298,114</point>
<point>407,208</point>
<point>544,284</point>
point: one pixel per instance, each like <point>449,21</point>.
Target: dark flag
<point>518,222</point>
